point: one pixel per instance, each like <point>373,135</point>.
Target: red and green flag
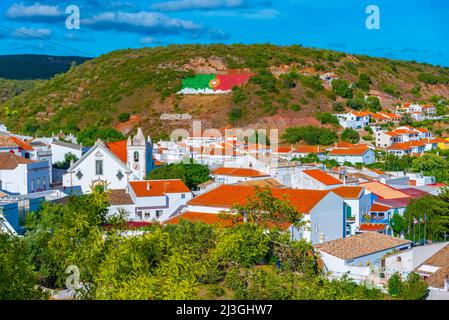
<point>211,83</point>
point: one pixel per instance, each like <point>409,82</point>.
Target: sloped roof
<point>119,197</point>
<point>384,191</point>
<point>226,196</point>
<point>157,188</point>
<point>348,192</point>
<point>322,177</point>
<point>10,161</point>
<point>349,152</point>
<point>360,245</point>
<point>119,148</point>
<point>239,172</point>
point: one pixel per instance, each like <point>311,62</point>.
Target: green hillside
<point>144,82</point>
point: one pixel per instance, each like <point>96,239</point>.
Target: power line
<point>46,40</point>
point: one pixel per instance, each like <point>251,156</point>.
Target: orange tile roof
<point>422,130</point>
<point>322,177</point>
<point>307,149</point>
<point>372,227</point>
<point>344,144</point>
<point>119,148</point>
<point>406,145</point>
<point>207,218</point>
<point>348,192</point>
<point>226,196</point>
<point>384,191</point>
<point>239,172</point>
<point>283,150</point>
<point>362,113</point>
<point>348,152</point>
<point>379,208</point>
<point>22,144</point>
<point>377,171</point>
<point>157,188</point>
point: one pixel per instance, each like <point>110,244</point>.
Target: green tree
<point>18,280</point>
<point>341,88</point>
<point>395,285</point>
<point>350,135</point>
<point>123,117</point>
<point>432,165</point>
<point>191,174</point>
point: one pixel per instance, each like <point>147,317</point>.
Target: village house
<point>355,119</point>
<point>112,165</point>
<point>384,139</point>
<point>149,201</point>
<point>60,148</point>
<point>23,176</point>
<point>305,150</point>
<point>353,155</point>
<point>360,257</point>
<point>384,117</point>
<point>323,210</point>
<point>237,175</point>
<point>314,179</point>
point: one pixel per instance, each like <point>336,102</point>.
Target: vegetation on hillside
<point>145,82</point>
<point>191,174</point>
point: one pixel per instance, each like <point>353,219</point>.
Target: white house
<point>361,257</point>
<point>237,175</point>
<point>60,148</point>
<point>323,210</point>
<point>23,176</point>
<point>353,155</point>
<point>315,179</point>
<point>112,165</point>
<point>357,204</point>
<point>354,120</point>
<point>150,201</point>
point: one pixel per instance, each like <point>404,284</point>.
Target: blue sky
<point>409,30</point>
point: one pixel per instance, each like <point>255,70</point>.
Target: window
<point>183,196</point>
<point>79,175</point>
<point>99,167</point>
<point>398,259</point>
<point>120,175</point>
<point>38,183</point>
<point>44,183</point>
<point>32,185</point>
<point>147,215</point>
<point>159,213</point>
<point>136,156</point>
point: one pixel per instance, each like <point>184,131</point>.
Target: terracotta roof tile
<point>323,177</point>
<point>157,188</point>
<point>348,192</point>
<point>226,196</point>
<point>119,148</point>
<point>10,161</point>
<point>376,207</point>
<point>119,197</point>
<point>360,245</point>
<point>239,172</point>
<point>349,152</point>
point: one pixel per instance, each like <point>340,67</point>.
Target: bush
<point>123,117</point>
<point>350,135</point>
<point>310,135</point>
<point>326,118</point>
<point>341,88</point>
<point>295,107</point>
<point>338,107</point>
<point>235,114</point>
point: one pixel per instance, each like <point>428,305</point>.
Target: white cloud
<point>263,14</point>
<point>28,33</point>
<point>179,5</point>
<point>142,22</point>
<point>17,11</point>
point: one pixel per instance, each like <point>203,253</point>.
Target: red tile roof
<point>379,208</point>
<point>119,148</point>
<point>372,227</point>
<point>157,188</point>
<point>348,192</point>
<point>10,161</point>
<point>226,196</point>
<point>22,144</point>
<point>207,218</point>
<point>322,177</point>
<point>307,149</point>
<point>348,152</point>
<point>239,172</point>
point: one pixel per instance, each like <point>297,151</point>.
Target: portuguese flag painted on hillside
<point>212,83</point>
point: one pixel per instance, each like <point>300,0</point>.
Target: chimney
<point>148,186</point>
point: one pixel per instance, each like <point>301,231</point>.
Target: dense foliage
<point>310,135</point>
<point>191,174</point>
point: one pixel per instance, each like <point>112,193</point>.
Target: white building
<point>237,175</point>
<point>60,148</point>
<point>112,165</point>
<point>353,155</point>
<point>354,120</point>
<point>361,257</point>
<point>150,201</point>
<point>315,179</point>
<point>23,176</point>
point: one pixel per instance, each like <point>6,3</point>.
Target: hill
<point>285,91</point>
<point>31,67</point>
<point>11,88</point>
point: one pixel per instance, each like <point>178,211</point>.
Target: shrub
<point>350,135</point>
<point>341,88</point>
<point>123,117</point>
